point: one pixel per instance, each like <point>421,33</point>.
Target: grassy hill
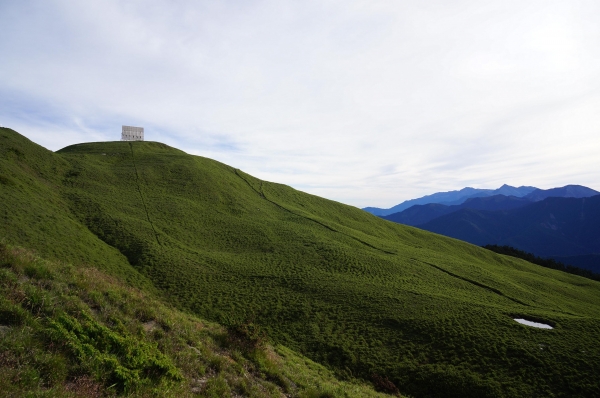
<point>367,297</point>
<point>69,331</point>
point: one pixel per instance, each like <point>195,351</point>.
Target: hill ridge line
<point>262,194</point>
<point>481,285</point>
<point>137,182</point>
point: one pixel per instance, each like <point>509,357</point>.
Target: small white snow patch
<point>533,324</point>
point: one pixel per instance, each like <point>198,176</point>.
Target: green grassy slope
<point>34,212</point>
<point>69,331</point>
<point>368,297</point>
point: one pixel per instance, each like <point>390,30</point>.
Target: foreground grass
<point>77,332</point>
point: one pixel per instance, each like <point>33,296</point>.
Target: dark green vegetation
<point>69,331</point>
<point>544,262</point>
<point>368,297</point>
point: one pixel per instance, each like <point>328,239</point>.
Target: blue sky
<point>365,102</point>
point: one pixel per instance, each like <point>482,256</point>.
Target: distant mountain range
<point>453,198</point>
<point>568,191</point>
<point>561,223</point>
<point>420,214</point>
<point>551,227</point>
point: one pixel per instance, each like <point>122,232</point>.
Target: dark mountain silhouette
<point>553,263</point>
<point>453,198</point>
<point>421,214</point>
<point>508,190</point>
<point>590,262</point>
<point>496,202</point>
<point>551,227</point>
<point>568,191</point>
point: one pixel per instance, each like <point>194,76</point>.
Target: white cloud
<point>368,103</point>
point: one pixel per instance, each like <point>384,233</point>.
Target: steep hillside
<point>36,214</point>
<point>74,331</point>
<point>552,227</point>
<point>369,298</point>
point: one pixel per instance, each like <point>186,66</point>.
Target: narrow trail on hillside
<point>139,188</point>
<point>478,284</point>
<point>262,195</point>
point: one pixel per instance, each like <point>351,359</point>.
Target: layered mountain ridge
<point>420,214</point>
<point>558,223</point>
<point>453,198</point>
<point>548,228</point>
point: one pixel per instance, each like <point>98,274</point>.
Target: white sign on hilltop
<point>130,133</point>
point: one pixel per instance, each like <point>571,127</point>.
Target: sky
<point>368,103</point>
